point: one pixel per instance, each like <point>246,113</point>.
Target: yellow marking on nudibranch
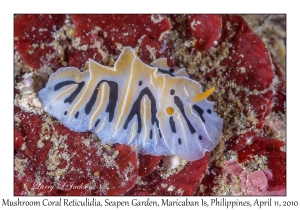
<point>101,103</point>
<point>161,63</point>
<point>77,78</point>
<point>157,80</point>
<point>67,73</point>
<point>181,73</point>
<point>202,96</point>
<point>133,132</point>
<point>138,68</point>
<point>125,102</point>
<point>145,113</point>
<point>181,127</point>
<point>123,64</point>
<point>95,71</point>
<point>103,122</point>
<point>64,92</point>
<point>169,110</point>
<point>86,66</point>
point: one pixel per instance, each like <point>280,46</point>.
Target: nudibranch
<point>158,109</point>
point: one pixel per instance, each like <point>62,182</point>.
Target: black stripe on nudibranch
<point>65,113</point>
<point>166,72</point>
<point>150,135</point>
<point>179,141</point>
<point>172,70</point>
<point>113,97</point>
<point>97,122</point>
<point>63,84</point>
<point>199,111</point>
<point>200,137</point>
<point>71,98</point>
<point>172,125</point>
<point>136,110</point>
<point>140,83</point>
<point>172,92</point>
<point>179,104</point>
<point>77,114</point>
<point>209,111</point>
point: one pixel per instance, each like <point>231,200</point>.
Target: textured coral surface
<point>245,65</point>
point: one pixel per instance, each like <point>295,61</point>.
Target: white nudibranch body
<point>158,109</point>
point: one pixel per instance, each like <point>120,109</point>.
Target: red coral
<point>262,105</point>
<point>69,163</point>
<point>123,29</point>
<point>30,168</point>
<point>33,34</point>
<point>280,96</point>
<point>207,30</point>
<point>249,66</point>
<point>78,58</point>
<point>19,140</point>
<point>151,49</point>
<point>209,181</point>
<point>147,164</point>
<point>248,145</point>
<point>248,52</point>
<point>184,182</point>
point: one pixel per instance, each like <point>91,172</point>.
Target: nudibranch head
<point>154,107</point>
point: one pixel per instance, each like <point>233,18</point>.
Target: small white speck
<point>171,188</point>
<point>171,162</point>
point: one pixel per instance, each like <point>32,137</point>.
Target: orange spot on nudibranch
<point>169,110</point>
